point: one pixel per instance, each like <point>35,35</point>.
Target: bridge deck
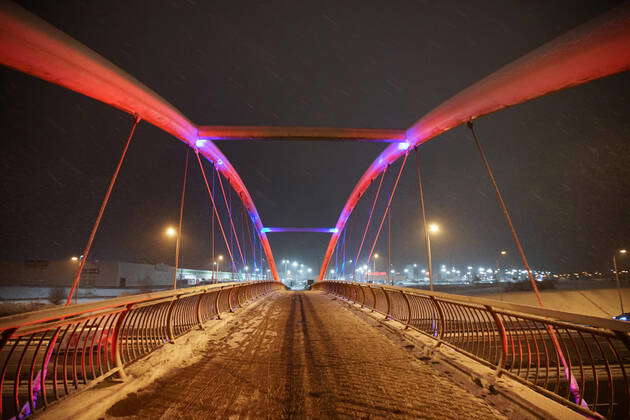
<point>299,354</point>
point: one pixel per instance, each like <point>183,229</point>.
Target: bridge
<point>348,347</point>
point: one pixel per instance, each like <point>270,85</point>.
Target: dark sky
<point>562,160</point>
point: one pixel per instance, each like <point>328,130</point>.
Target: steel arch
<point>598,48</point>
<point>33,46</point>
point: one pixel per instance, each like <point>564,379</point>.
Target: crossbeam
<point>216,133</point>
<point>298,229</point>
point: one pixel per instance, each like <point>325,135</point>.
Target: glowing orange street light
<point>622,252</point>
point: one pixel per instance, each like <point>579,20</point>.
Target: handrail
<point>60,312</point>
<point>48,354</point>
<point>556,315</point>
<point>591,375</point>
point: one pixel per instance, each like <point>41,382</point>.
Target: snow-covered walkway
<point>302,355</point>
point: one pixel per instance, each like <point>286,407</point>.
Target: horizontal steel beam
<point>300,133</point>
<point>298,229</point>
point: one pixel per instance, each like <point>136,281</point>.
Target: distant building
<point>110,274</point>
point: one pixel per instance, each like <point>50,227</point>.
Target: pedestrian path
<point>303,355</point>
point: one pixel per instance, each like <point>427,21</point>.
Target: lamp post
<point>218,265</point>
<point>498,264</point>
<point>432,228</point>
<point>170,232</point>
<point>622,252</point>
<point>374,258</point>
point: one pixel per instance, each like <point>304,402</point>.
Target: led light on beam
<point>201,143</point>
<point>403,146</point>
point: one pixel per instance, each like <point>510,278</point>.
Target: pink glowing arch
<point>596,49</point>
<point>31,45</point>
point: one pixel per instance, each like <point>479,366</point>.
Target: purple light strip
<point>298,229</point>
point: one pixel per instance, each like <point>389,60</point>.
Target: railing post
<point>504,340</point>
<point>230,298</point>
<point>216,302</point>
<point>199,320</point>
<point>442,328</point>
<point>117,345</point>
<point>373,297</point>
<point>389,304</point>
<point>169,321</point>
<point>404,295</point>
<point>362,294</point>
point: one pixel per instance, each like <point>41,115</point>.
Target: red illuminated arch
<point>31,45</point>
<point>596,49</point>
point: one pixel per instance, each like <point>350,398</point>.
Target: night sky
<point>562,160</point>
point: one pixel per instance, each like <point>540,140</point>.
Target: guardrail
<point>48,354</point>
<point>581,361</point>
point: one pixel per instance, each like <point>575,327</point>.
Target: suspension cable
<point>574,388</point>
<point>344,253</point>
<point>389,246</point>
<point>389,203</point>
<point>214,207</point>
<point>178,242</point>
<point>367,226</point>
<point>507,216</point>
<point>101,211</point>
<point>229,210</point>
<point>214,261</point>
<point>423,214</point>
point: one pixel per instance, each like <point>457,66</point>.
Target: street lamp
<point>374,258</point>
<point>432,228</point>
<point>218,265</point>
<point>498,265</point>
<point>621,252</point>
<point>170,232</point>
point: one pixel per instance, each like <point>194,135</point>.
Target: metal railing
<point>48,354</point>
<point>580,361</point>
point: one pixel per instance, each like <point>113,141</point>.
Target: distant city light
<point>170,232</point>
<point>75,258</point>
